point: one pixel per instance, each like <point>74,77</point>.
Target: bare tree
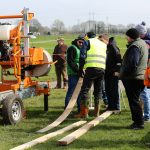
<point>130,26</point>
<point>58,26</point>
<point>121,28</point>
<point>101,27</point>
<point>35,25</point>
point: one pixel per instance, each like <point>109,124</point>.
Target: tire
<point>12,109</point>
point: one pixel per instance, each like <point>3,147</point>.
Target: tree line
<point>58,27</point>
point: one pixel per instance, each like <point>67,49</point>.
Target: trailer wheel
<point>12,109</point>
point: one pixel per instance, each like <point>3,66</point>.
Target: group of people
<point>98,60</point>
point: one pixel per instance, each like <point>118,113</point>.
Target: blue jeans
<point>72,82</point>
<point>145,96</point>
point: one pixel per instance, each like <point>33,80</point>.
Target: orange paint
<point>17,60</point>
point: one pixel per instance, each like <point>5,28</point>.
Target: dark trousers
<point>104,96</point>
<point>133,89</point>
<point>112,92</point>
<point>93,76</point>
<point>61,72</point>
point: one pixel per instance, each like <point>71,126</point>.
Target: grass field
<point>111,134</point>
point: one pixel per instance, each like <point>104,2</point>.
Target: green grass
<point>111,134</point>
<point>50,42</point>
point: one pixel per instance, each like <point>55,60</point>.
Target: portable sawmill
<point>19,64</point>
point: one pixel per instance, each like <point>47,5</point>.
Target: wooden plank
<point>48,136</point>
<point>67,111</point>
<point>76,134</point>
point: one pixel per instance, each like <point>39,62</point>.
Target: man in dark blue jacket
<point>132,74</point>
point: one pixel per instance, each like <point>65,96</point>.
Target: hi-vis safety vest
<point>147,75</point>
<point>76,61</point>
<point>96,55</point>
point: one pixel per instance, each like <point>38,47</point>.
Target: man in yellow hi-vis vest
<point>94,65</point>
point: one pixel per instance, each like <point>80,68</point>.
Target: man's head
<point>141,29</point>
<point>60,40</point>
<point>82,36</point>
<point>91,35</point>
<point>79,42</point>
<point>104,38</point>
<point>132,34</point>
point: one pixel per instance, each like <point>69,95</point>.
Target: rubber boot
<point>57,87</point>
<point>96,111</point>
<point>83,112</point>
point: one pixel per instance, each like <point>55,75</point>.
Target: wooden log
<point>48,136</point>
<point>67,111</point>
<point>76,134</point>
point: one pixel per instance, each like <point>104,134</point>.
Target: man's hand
<point>81,73</point>
<point>116,74</point>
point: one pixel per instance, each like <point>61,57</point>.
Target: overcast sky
<point>72,12</point>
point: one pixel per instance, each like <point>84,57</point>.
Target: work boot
<point>83,112</point>
<point>65,85</point>
<point>57,87</point>
<point>96,111</point>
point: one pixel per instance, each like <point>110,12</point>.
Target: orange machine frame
<point>17,59</point>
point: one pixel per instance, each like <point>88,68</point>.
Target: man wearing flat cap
<point>59,55</point>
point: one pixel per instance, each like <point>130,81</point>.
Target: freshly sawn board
<point>48,136</point>
<point>67,111</point>
<point>79,132</point>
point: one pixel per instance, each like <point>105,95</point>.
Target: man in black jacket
<point>113,64</point>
